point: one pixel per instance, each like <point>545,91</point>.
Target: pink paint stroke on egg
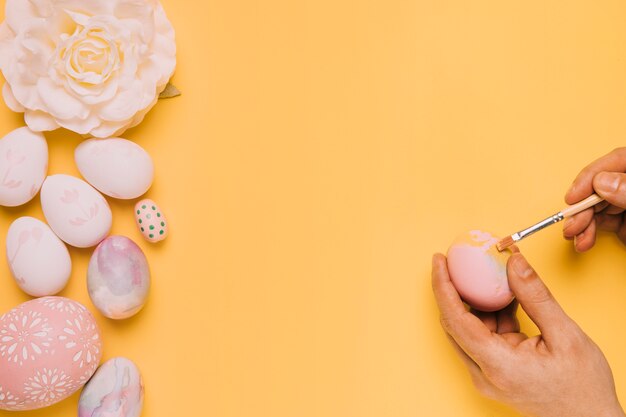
<point>478,271</point>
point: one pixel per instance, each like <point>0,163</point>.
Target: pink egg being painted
<point>478,271</point>
<point>49,348</point>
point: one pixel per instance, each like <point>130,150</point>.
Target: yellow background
<point>321,151</point>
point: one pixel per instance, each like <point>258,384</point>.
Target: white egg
<point>23,166</point>
<point>39,261</point>
<point>75,211</point>
<point>116,167</point>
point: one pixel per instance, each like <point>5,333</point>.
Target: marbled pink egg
<point>118,277</point>
<point>116,390</point>
<point>23,166</point>
<point>49,348</point>
<point>151,221</point>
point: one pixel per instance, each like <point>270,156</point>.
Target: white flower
<point>95,67</point>
<point>48,386</point>
<point>62,304</point>
<point>8,401</point>
<point>23,336</point>
<point>82,336</point>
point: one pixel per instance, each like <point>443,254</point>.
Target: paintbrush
<point>568,211</point>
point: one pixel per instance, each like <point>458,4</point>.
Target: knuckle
<point>500,379</point>
<point>446,323</point>
<point>539,294</point>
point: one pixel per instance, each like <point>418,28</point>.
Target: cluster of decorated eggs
<point>50,346</point>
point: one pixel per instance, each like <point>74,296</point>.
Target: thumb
<point>535,298</point>
<point>612,187</point>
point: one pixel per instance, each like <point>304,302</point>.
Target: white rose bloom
<point>92,66</point>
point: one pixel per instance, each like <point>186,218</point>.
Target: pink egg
<point>478,271</point>
<point>49,348</point>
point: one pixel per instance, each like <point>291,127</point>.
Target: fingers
<point>587,238</point>
<point>536,299</point>
<point>466,329</point>
<point>582,229</point>
<point>583,184</point>
<point>489,319</point>
<point>611,186</point>
<point>502,321</point>
<point>507,319</point>
<point>576,224</point>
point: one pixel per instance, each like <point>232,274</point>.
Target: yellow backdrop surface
<point>321,151</point>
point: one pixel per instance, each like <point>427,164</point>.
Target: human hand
<point>606,177</point>
<point>559,373</point>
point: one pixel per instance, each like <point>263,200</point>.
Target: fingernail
<point>606,182</point>
<point>521,266</point>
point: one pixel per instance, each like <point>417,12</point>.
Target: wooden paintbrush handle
<point>590,201</point>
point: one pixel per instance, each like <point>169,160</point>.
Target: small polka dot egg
<point>478,271</point>
<point>151,221</point>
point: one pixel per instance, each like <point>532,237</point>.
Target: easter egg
<point>39,261</point>
<point>118,277</point>
<point>116,167</point>
<point>151,221</point>
<point>23,166</point>
<point>478,271</point>
<point>49,348</point>
<point>115,390</point>
<point>75,211</point>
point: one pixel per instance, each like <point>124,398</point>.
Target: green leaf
<point>170,91</point>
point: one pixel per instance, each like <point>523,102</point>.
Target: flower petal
<point>10,99</point>
<point>58,102</point>
<point>39,121</point>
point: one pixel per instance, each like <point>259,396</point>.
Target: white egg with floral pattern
<point>39,261</point>
<point>49,348</point>
<point>23,166</point>
<point>76,212</point>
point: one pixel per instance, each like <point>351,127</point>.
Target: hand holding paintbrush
<point>568,211</point>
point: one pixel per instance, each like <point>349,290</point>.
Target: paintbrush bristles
<point>505,243</point>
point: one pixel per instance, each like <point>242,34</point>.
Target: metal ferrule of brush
<point>537,227</point>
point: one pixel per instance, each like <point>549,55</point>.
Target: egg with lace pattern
<point>49,348</point>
